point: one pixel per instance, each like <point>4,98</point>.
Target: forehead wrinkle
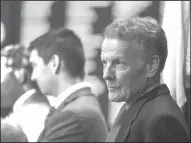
<point>113,48</point>
<point>121,45</point>
<point>111,53</point>
<point>118,47</point>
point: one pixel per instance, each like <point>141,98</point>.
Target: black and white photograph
<point>96,71</point>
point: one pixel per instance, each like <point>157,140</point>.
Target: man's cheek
<point>39,71</point>
<point>123,76</point>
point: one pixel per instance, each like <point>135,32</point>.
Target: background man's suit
<point>78,118</point>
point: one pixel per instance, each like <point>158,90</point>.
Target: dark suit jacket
<point>11,90</point>
<point>77,119</point>
<point>155,117</point>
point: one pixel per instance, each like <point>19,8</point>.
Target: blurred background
<point>23,21</point>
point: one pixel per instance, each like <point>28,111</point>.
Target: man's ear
<point>153,66</point>
<point>54,63</point>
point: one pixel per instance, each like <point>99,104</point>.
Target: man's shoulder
<point>84,108</point>
<point>70,120</point>
<point>66,117</point>
<point>158,110</point>
<point>84,105</point>
<point>162,103</point>
<point>160,106</point>
<point>84,114</point>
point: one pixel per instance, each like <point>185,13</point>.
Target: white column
<point>33,19</point>
<point>125,9</point>
<point>173,71</point>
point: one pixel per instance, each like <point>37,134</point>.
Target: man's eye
<point>118,62</point>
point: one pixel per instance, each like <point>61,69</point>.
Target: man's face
<point>124,69</point>
<point>41,73</point>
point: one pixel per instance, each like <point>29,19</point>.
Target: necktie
<point>51,111</point>
<point>117,124</point>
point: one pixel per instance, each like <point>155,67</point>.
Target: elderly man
<point>133,53</point>
<point>58,68</point>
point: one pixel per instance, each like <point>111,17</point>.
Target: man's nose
<point>108,73</point>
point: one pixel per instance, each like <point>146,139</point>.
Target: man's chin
<point>115,97</point>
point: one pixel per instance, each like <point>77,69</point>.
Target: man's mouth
<point>113,88</point>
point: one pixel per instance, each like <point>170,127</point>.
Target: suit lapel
<point>120,131</point>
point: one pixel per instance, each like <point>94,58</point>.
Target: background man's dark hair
<point>64,43</point>
<point>144,30</point>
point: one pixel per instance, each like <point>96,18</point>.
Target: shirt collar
<point>20,101</point>
<point>61,98</point>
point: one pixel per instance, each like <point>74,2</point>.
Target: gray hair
<point>144,30</point>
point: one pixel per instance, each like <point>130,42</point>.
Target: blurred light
<point>125,9</point>
<point>3,32</point>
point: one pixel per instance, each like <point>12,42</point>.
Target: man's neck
<point>148,86</point>
<point>63,85</point>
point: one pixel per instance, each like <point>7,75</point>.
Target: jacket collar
<point>157,91</point>
<point>57,101</point>
<point>85,91</point>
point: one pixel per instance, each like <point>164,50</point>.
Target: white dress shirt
<point>30,116</point>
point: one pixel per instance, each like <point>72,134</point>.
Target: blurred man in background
<point>134,52</point>
<point>31,106</point>
<point>58,68</point>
